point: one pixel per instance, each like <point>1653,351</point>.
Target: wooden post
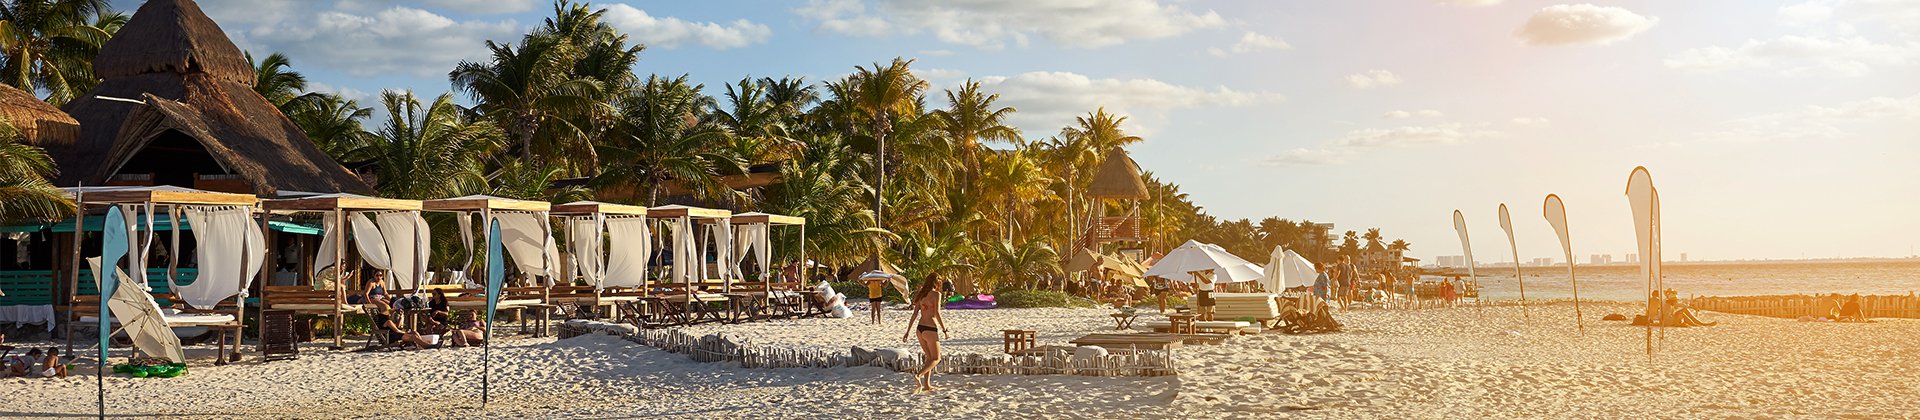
<point>73,285</point>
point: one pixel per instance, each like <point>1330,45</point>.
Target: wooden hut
<point>176,106</point>
<point>1117,180</point>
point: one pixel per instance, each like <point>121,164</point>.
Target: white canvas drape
<point>525,235</point>
<point>630,246</point>
<point>686,253</point>
<point>329,239</point>
<point>752,241</point>
<point>231,251</point>
<point>589,248</point>
<point>723,260</point>
<point>407,237</point>
<point>372,246</point>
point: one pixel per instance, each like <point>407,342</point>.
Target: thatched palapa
<point>196,85</point>
<point>1118,177</point>
<point>38,121</point>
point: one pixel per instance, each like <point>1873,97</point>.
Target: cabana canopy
<point>333,202</point>
<point>607,251</point>
<point>524,229</point>
<point>767,218</point>
<point>588,208</point>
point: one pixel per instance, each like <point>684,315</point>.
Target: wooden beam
<point>330,203</point>
<point>470,203</point>
<point>771,219</point>
<point>685,211</point>
<point>171,197</point>
<point>586,208</point>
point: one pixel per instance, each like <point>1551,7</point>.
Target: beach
<point>1432,363</point>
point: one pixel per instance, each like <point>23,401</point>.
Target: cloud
<point>1251,42</point>
<point>1308,157</point>
<point>366,99</point>
<point>1372,79</point>
<point>1582,24</point>
<point>463,7</point>
<point>398,39</point>
<point>940,74</point>
<point>1424,113</point>
<point>1470,3</point>
<point>1338,150</point>
<point>672,32</point>
<point>1799,55</point>
<point>936,53</point>
<point>1050,100</point>
<point>1818,123</point>
<point>992,24</point>
<point>1530,121</point>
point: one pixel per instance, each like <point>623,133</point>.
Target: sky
<point>1773,129</point>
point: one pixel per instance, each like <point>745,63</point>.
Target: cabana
<point>524,233</point>
<point>609,246</point>
<point>688,258</point>
<point>753,237</point>
<point>394,225</point>
<point>229,248</point>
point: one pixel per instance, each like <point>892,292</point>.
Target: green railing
<point>35,287</point>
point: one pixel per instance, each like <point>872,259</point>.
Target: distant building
<point>1542,262</point>
<point>1600,259</point>
<point>1683,257</point>
<point>1376,258</point>
<point>1633,258</point>
<point>1450,261</point>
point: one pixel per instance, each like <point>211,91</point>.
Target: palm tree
<point>1101,131</point>
<point>1400,245</point>
<point>751,115</point>
<point>1373,237</point>
<point>273,79</point>
<point>431,151</point>
<point>332,122</point>
<point>1019,182</point>
<point>660,137</point>
<point>49,45</point>
<point>790,97</point>
<point>530,92</point>
<point>24,191</point>
<point>1006,262</point>
<point>880,95</point>
<point>971,119</point>
<point>1350,244</point>
<point>822,185</point>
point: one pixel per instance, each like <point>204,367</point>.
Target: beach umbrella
<point>140,317</point>
<point>1556,213</point>
<point>1286,268</point>
<point>1506,223</point>
<point>1196,256</point>
<point>898,282</point>
<point>1645,203</point>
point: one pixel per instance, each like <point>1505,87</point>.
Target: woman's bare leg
<point>929,344</point>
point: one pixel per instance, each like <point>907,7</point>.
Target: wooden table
<point>742,305</point>
<point>1131,341</point>
<point>1181,323</point>
<point>1017,341</point>
<point>1123,320</point>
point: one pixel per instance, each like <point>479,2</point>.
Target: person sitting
<point>439,319</point>
<point>52,365</point>
<point>470,332</point>
<point>20,366</point>
<point>384,323</point>
<point>1850,311</point>
<point>374,290</point>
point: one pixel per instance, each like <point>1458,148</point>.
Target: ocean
<point>1624,283</point>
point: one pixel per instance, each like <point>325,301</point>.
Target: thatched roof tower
<point>201,119</point>
<point>1118,178</point>
<point>38,121</point>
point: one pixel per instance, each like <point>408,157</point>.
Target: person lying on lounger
<point>470,331</point>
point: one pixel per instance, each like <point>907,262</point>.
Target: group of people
<point>1842,309</point>
<point>1665,309</point>
<point>36,363</point>
<point>439,323</point>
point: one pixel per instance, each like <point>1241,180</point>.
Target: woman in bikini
<point>929,326</point>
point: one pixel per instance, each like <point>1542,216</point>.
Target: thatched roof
<point>1118,177</point>
<point>38,121</point>
<point>172,36</point>
<point>192,82</point>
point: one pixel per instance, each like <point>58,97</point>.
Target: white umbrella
<point>140,317</point>
<point>1195,256</point>
<point>1286,268</point>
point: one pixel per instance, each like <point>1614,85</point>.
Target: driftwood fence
<point>721,348</point>
<point>1795,306</point>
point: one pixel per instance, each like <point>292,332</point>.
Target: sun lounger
<point>1220,327</point>
<point>1259,307</point>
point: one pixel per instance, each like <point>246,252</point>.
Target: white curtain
<point>752,241</point>
<point>406,236</point>
<point>330,235</point>
<point>723,258</point>
<point>627,257</point>
<point>686,261</point>
<point>231,251</point>
<point>372,245</point>
<point>589,253</point>
<point>524,235</point>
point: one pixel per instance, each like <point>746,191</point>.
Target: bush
<point>1038,299</point>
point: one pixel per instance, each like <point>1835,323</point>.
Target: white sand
<point>1448,363</point>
